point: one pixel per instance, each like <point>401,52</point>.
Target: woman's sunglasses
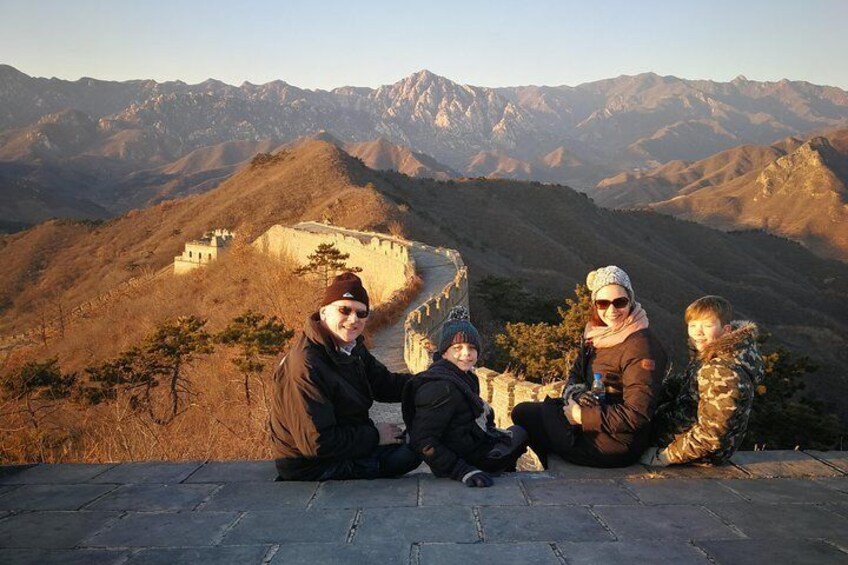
<point>619,303</point>
<point>346,311</point>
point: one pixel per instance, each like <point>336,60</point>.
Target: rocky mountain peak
<point>808,169</point>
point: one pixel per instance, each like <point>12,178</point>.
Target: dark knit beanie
<point>346,286</point>
<point>458,329</point>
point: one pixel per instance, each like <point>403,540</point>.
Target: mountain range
<point>96,148</point>
<point>795,188</point>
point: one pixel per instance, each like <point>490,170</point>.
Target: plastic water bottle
<point>598,390</point>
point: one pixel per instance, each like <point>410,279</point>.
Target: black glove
<point>478,479</point>
<point>586,399</point>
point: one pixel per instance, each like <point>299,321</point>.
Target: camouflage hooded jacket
<point>703,412</point>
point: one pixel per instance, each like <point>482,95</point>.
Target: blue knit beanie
<point>458,329</point>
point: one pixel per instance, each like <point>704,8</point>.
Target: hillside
<point>73,262</point>
<point>550,236</point>
<point>796,189</point>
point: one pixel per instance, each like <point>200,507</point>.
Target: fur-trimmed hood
<point>743,335</point>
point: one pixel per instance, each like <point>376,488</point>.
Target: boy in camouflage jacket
<point>703,412</point>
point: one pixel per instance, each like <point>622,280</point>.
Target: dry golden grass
<point>215,421</point>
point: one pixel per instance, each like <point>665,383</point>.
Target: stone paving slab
<point>51,530</point>
<point>447,492</point>
<point>836,483</point>
<point>663,522</point>
<point>152,498</point>
<point>445,524</point>
<point>234,472</point>
<point>563,469</point>
<point>566,492</point>
<point>63,473</point>
<point>797,552</point>
<point>290,526</point>
<point>8,470</point>
<point>63,556</point>
<point>643,552</point>
<point>788,464</point>
<point>726,471</point>
<point>682,491</point>
<point>541,523</point>
<point>488,553</point>
<point>365,554</point>
<point>227,555</point>
<point>841,509</point>
<point>365,494</point>
<point>7,488</point>
<point>781,491</point>
<point>52,497</point>
<point>163,529</point>
<point>776,522</point>
<point>261,496</point>
<point>147,473</point>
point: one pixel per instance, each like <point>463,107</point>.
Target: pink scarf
<point>607,336</point>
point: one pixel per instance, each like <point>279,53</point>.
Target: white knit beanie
<point>596,280</point>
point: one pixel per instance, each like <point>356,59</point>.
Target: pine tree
<point>256,337</point>
<point>782,417</point>
<point>325,263</point>
<point>544,352</point>
<point>39,386</point>
<point>161,360</point>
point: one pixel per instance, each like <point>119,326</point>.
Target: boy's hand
<point>654,457</point>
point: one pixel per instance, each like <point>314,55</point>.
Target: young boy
<point>448,423</point>
<point>703,413</point>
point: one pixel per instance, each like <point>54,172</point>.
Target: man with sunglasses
<point>323,389</point>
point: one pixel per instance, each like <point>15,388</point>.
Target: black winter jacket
<point>440,409</point>
<point>319,414</point>
<point>616,433</point>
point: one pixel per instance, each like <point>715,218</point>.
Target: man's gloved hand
<point>478,479</point>
<point>654,457</point>
<point>586,399</point>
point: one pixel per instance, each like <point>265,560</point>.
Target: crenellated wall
<point>385,261</point>
<point>423,324</point>
<point>421,332</point>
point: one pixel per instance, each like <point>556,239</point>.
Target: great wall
<point>767,506</point>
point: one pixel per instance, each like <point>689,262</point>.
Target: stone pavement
<point>768,507</point>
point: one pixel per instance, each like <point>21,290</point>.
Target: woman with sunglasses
<point>612,428</point>
<point>323,389</point>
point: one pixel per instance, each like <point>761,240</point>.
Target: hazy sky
<point>325,44</point>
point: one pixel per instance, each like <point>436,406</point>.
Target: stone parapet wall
<point>385,261</point>
<point>53,326</point>
<point>421,332</point>
<point>423,324</point>
<point>503,391</point>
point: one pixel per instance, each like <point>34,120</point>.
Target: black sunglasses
<point>619,303</point>
<point>346,310</point>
